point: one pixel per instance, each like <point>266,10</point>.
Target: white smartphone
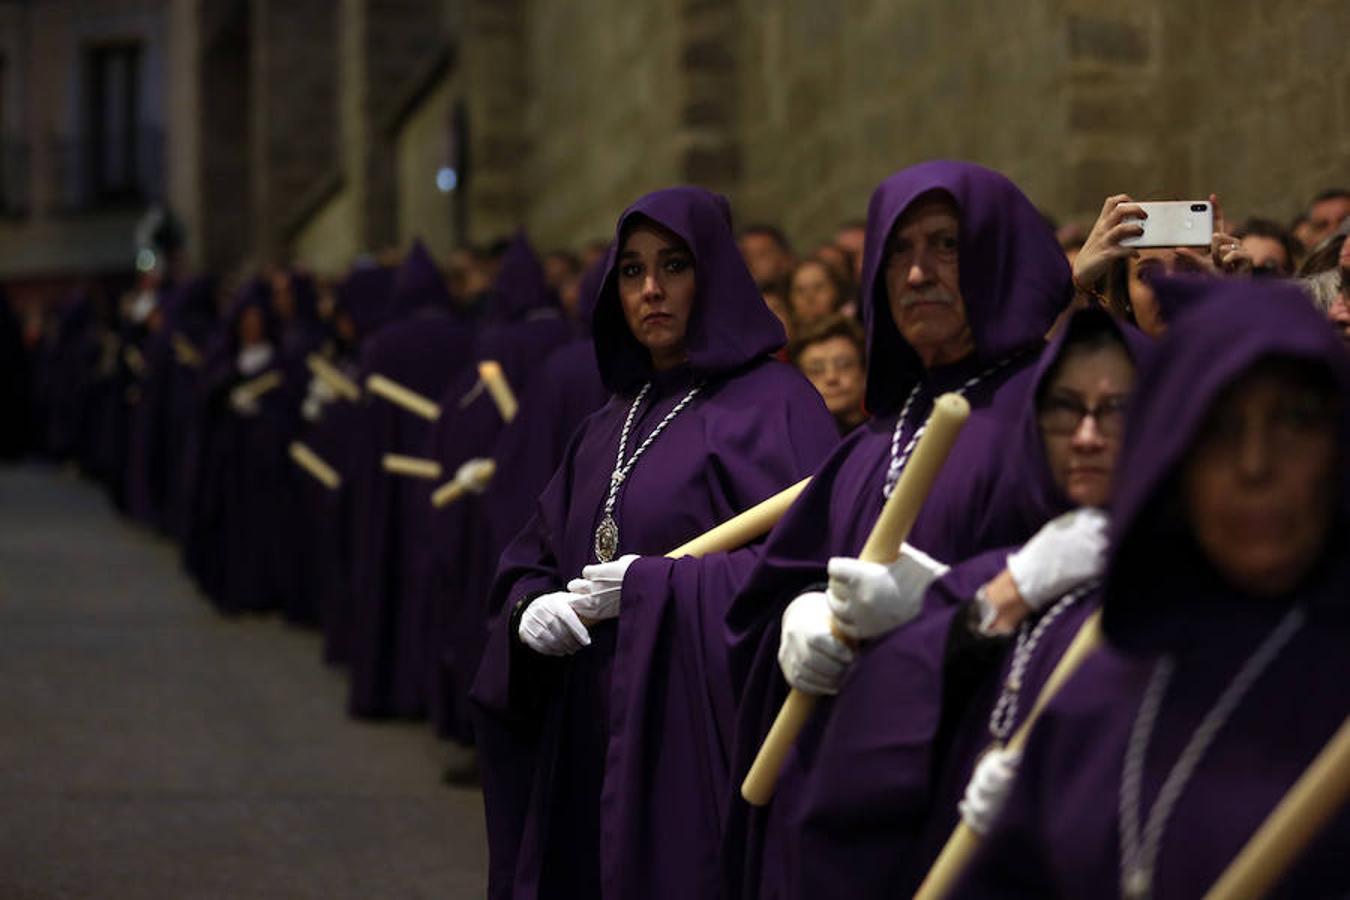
<point>1174,223</point>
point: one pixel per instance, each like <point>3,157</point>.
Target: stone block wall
<point>294,109</point>
<point>836,96</point>
<point>797,108</point>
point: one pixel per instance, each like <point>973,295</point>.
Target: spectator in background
<point>1301,228</point>
<point>815,290</point>
<point>1325,214</point>
<point>831,353</point>
<point>1320,272</point>
<point>768,256</point>
<point>837,258</point>
<point>1271,248</point>
<point>1339,311</point>
<point>1120,277</point>
<point>850,238</point>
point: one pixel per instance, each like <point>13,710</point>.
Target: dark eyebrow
<point>628,253</point>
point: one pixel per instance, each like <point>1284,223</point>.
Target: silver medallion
<point>607,539</point>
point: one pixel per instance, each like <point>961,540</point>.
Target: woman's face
<point>1149,264</point>
<point>813,294</point>
<point>656,290</point>
<point>1260,483</point>
<point>1081,416</point>
<point>835,367</point>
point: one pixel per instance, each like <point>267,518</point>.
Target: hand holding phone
<point>1173,223</point>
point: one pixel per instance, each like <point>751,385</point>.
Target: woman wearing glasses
<point>956,656</point>
<point>1225,621</point>
<point>831,354</point>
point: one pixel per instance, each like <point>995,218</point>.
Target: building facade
<point>314,131</point>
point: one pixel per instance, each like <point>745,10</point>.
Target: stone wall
<point>603,113</point>
<point>795,108</point>
<point>327,244</point>
<point>807,104</point>
<point>294,107</point>
<point>421,150</point>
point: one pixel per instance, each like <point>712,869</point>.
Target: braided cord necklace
<point>1139,850</point>
<point>1002,719</point>
<point>607,534</point>
<point>900,456</point>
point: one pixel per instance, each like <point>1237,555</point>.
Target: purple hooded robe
<point>323,554</point>
<point>870,796</point>
<point>523,327</point>
<point>1059,832</point>
<point>326,571</point>
<point>192,314</point>
<point>604,773</point>
<point>244,473</point>
<point>423,349</point>
<point>1014,281</point>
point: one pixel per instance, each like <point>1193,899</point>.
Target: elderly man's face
<point>923,281</point>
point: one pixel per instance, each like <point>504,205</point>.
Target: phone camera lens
<point>1199,207</point>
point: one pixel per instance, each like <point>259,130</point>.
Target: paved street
<point>150,748</point>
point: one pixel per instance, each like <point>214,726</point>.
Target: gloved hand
<point>596,594</point>
<point>1067,552</point>
<point>243,402</point>
<point>549,626</point>
<point>868,599</point>
<point>811,657</point>
<point>473,475</point>
<point>988,789</point>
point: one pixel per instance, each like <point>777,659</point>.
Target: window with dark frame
<point>113,131</point>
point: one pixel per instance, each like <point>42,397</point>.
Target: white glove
<point>1067,552</point>
<point>811,657</point>
<point>596,594</point>
<point>243,402</point>
<point>549,626</point>
<point>868,599</point>
<point>473,476</point>
<point>988,789</point>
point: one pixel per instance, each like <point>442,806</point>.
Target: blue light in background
<point>447,179</point>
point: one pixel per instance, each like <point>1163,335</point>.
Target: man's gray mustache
<point>912,298</point>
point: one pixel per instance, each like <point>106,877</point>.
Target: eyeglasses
<point>841,364</point>
<point>1063,416</point>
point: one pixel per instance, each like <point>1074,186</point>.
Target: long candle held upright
<point>949,415</point>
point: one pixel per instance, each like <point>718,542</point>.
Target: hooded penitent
<point>525,328</point>
<point>1013,281</point>
<point>605,772</point>
<point>423,348</point>
<point>871,795</point>
<point>1060,832</point>
<point>244,471</point>
<point>321,568</point>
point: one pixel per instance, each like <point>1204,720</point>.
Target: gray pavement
<point>150,748</point>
